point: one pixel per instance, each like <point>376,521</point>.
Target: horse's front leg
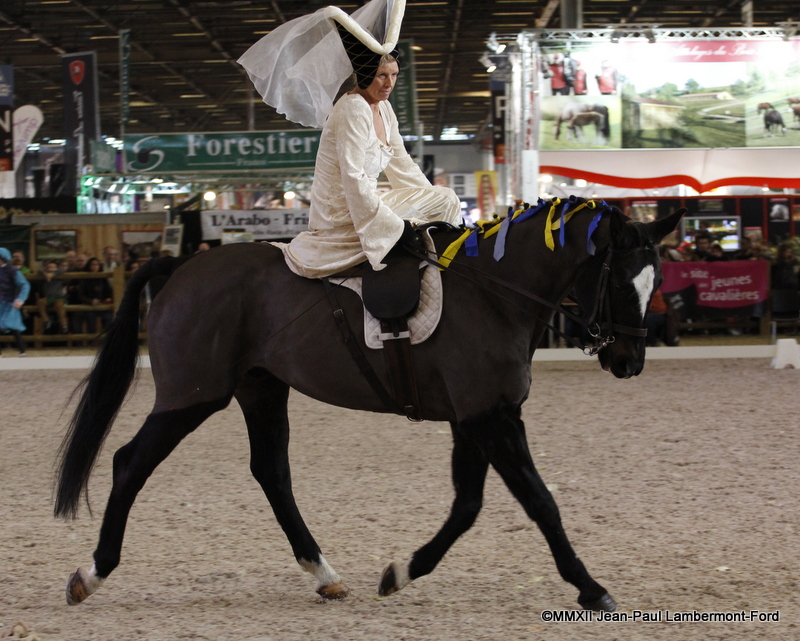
<point>469,474</point>
<point>500,433</point>
<point>263,399</point>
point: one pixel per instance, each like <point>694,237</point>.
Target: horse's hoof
<point>334,591</point>
<point>604,604</point>
<point>77,590</point>
<point>82,584</point>
<point>393,579</point>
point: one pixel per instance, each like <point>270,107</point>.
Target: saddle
<point>391,295</point>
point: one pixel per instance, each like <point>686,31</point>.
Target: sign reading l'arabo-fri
<point>244,150</point>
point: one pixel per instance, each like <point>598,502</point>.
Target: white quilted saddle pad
<point>425,318</point>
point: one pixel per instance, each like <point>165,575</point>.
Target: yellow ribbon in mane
<point>494,226</point>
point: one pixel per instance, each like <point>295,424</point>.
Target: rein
<point>600,324</point>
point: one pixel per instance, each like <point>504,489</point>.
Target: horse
<point>794,100</point>
<point>764,106</point>
<point>572,109</point>
<point>269,330</point>
<point>796,111</point>
<point>579,121</point>
<point>773,120</point>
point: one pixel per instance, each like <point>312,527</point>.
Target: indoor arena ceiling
<point>184,75</point>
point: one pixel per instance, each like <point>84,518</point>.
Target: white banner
<point>264,224</point>
<point>27,120</point>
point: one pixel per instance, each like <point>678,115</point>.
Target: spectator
<point>50,298</point>
<point>751,250</point>
<point>785,268</point>
<point>18,260</point>
<point>14,289</point>
<point>702,247</point>
<point>78,265</point>
<point>203,247</point>
<point>70,257</point>
<point>662,322</point>
<point>94,292</point>
<point>716,253</point>
<point>111,259</point>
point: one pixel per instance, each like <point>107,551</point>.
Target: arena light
<point>289,195</point>
<point>209,196</point>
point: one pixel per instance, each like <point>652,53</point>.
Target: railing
<point>38,336</point>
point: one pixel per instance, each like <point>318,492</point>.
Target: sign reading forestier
<point>228,151</point>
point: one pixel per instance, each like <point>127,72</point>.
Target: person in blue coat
<point>14,289</point>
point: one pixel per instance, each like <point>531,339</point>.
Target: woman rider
<point>349,221</point>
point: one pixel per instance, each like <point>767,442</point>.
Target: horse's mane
<point>557,212</point>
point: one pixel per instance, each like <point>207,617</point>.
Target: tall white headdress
<point>299,67</point>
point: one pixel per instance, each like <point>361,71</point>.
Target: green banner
<point>230,151</point>
<point>404,96</point>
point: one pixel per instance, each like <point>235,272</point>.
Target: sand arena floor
<point>678,489</point>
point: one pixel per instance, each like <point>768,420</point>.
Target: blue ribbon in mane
<point>500,243</point>
<point>590,246</point>
<point>562,233</point>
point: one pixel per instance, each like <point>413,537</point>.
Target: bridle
<point>600,323</point>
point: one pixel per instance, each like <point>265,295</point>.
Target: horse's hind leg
<point>263,400</point>
<point>469,475</point>
<point>501,435</point>
<point>133,465</point>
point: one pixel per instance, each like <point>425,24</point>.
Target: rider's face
<point>382,84</point>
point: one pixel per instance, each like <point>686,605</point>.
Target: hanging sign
<point>243,150</point>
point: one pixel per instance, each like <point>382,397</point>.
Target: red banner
<point>735,283</point>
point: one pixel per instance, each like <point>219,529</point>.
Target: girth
<point>390,295</point>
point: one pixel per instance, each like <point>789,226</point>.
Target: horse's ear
<point>622,236</point>
<point>658,229</point>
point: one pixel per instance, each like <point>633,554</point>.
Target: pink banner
<point>735,283</point>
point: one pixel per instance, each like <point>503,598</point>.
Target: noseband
<point>600,324</point>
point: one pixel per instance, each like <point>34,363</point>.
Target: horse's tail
<point>104,390</point>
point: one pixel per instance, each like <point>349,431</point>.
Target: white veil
<point>299,66</point>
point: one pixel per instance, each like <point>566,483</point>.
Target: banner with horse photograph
<point>677,94</point>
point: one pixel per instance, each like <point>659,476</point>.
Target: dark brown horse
<point>572,109</point>
<point>234,322</point>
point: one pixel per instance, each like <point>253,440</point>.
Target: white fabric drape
<point>299,66</point>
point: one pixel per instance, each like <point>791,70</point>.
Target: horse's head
<point>632,273</point>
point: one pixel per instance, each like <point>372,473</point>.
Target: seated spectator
<point>18,260</point>
<point>51,295</point>
<point>111,259</point>
<point>785,268</point>
<point>92,291</point>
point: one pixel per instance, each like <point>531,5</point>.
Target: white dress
<point>349,221</point>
